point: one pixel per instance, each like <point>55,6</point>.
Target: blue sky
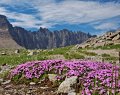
<point>93,16</point>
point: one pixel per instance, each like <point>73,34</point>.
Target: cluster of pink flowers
<point>94,77</point>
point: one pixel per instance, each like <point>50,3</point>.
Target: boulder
<point>32,53</point>
<point>6,82</point>
<point>83,46</point>
<point>32,83</point>
<point>117,37</point>
<point>5,68</point>
<point>72,93</point>
<point>109,43</point>
<point>68,86</point>
<point>52,77</point>
<point>100,44</point>
<point>3,53</point>
<point>1,80</point>
<point>17,51</point>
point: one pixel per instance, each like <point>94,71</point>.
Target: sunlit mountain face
<point>93,16</point>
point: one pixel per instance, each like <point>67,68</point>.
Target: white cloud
<point>77,12</point>
<point>107,26</point>
<point>51,12</point>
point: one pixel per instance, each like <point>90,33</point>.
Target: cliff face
<point>41,39</point>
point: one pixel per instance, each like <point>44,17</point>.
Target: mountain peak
<point>2,16</point>
<point>6,40</point>
<point>4,23</point>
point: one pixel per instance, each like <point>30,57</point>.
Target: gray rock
<point>5,68</point>
<point>31,53</point>
<point>100,44</point>
<point>32,83</point>
<point>3,53</point>
<point>68,86</point>
<point>7,94</point>
<point>17,51</point>
<point>1,80</point>
<point>6,82</point>
<point>1,90</point>
<point>117,37</point>
<point>52,77</point>
<point>72,93</point>
<point>8,87</point>
<point>44,87</point>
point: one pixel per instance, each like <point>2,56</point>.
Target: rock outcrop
<point>68,86</point>
<point>110,38</point>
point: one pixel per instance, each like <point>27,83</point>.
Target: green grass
<point>105,55</point>
<point>4,75</point>
<point>109,58</point>
<point>14,59</point>
<point>18,59</point>
<point>73,56</point>
<point>117,46</point>
<point>61,51</point>
<point>85,52</point>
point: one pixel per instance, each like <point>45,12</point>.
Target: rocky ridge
<point>16,37</point>
<point>110,38</point>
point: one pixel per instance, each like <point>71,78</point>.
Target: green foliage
<point>16,79</point>
<point>87,53</point>
<point>4,75</point>
<point>19,58</point>
<point>43,76</point>
<point>105,55</point>
<point>62,50</point>
<point>117,46</point>
<point>20,79</point>
<point>73,56</point>
<point>111,58</point>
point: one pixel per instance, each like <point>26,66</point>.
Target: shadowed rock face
<point>41,39</point>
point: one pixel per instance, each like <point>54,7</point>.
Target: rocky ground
<point>8,88</point>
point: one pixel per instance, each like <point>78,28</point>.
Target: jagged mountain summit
<point>17,37</point>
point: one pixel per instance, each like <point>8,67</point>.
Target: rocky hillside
<point>110,38</point>
<point>41,39</point>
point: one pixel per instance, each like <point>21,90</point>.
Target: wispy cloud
<point>77,12</point>
<point>107,26</point>
<point>51,12</point>
<point>21,19</point>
